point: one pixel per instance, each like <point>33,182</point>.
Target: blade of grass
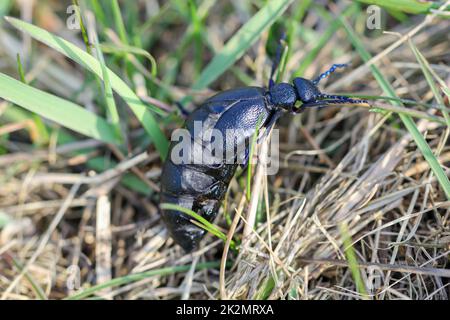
<point>71,51</point>
<point>406,119</point>
<point>241,41</point>
<point>120,27</point>
<point>202,222</point>
<point>20,69</point>
<point>140,276</point>
<point>64,112</point>
<point>99,13</point>
<point>82,26</point>
<point>113,115</point>
<point>40,294</point>
<point>408,6</point>
<point>5,6</point>
<point>321,42</point>
<point>352,261</point>
<point>267,288</point>
<point>198,30</point>
<point>292,28</point>
<point>410,112</point>
<point>426,69</point>
<point>119,22</point>
<point>250,157</point>
<point>113,48</point>
<point>42,136</point>
<point>88,45</point>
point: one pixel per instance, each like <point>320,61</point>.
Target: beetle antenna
<point>329,71</point>
<point>325,103</point>
<point>342,99</point>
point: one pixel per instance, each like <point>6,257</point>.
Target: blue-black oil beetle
<point>201,187</point>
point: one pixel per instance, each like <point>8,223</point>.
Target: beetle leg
<point>183,110</point>
<point>267,128</point>
<point>329,71</point>
<point>276,62</point>
<point>244,164</point>
<point>269,124</point>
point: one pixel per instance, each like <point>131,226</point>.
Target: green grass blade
<point>250,157</point>
<point>140,276</point>
<point>408,6</point>
<point>116,48</point>
<point>203,223</point>
<point>113,115</point>
<point>119,21</point>
<point>406,119</point>
<point>64,112</point>
<point>352,261</point>
<point>142,111</point>
<point>241,41</point>
<point>42,136</point>
<point>427,71</point>
<point>40,294</point>
<point>99,13</point>
<point>5,6</point>
<point>266,289</point>
<point>322,40</point>
<point>20,69</point>
<point>410,112</point>
<point>82,26</point>
<point>292,29</point>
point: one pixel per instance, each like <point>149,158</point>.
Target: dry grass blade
<point>45,238</point>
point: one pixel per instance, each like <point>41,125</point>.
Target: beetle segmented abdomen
<point>190,188</point>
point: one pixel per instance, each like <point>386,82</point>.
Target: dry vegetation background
<point>60,214</point>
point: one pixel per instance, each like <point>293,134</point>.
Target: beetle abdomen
<point>193,190</point>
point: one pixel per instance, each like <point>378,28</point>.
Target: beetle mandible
<point>201,187</point>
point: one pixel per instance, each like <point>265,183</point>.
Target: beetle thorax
<point>283,95</point>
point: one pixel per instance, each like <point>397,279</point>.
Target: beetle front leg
<point>269,124</point>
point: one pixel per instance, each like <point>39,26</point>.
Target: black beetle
<point>201,187</point>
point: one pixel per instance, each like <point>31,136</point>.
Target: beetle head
<point>284,95</point>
